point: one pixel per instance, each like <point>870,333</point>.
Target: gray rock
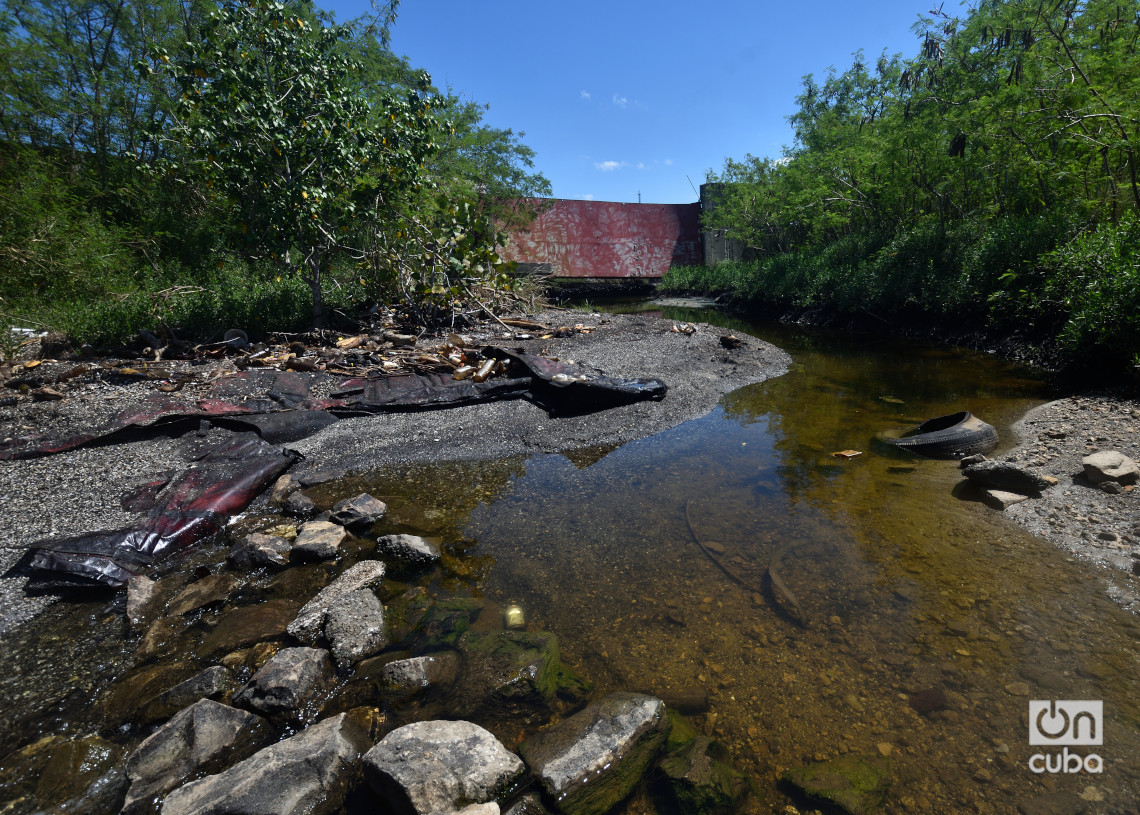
<point>608,744</point>
<point>409,551</point>
<point>977,458</point>
<point>310,620</point>
<point>258,549</point>
<point>299,505</point>
<point>529,804</point>
<point>408,677</point>
<point>1000,499</point>
<point>442,766</point>
<point>213,683</point>
<point>1001,475</point>
<point>319,540</point>
<point>292,678</point>
<point>361,511</point>
<point>282,487</point>
<point>205,737</point>
<point>1110,465</point>
<point>308,774</point>
<point>354,627</point>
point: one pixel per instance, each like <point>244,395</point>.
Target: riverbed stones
<point>609,744</point>
<point>310,620</point>
<point>354,627</point>
<point>1054,803</point>
<point>1110,465</point>
<point>441,766</point>
<point>359,512</point>
<point>700,783</point>
<point>82,776</point>
<point>319,540</point>
<point>203,738</point>
<point>1001,475</point>
<point>410,677</point>
<point>857,783</point>
<point>213,683</point>
<point>249,625</point>
<point>407,551</point>
<point>508,674</point>
<point>258,549</point>
<point>210,590</point>
<point>307,774</point>
<point>292,678</point>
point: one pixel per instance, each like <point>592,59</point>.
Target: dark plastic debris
<point>190,507</point>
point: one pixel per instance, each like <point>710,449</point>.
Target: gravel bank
<point>80,491</point>
<point>1098,528</point>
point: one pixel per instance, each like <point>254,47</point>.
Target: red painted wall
<point>607,239</point>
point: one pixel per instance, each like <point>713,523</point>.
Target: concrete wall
<point>603,239</point>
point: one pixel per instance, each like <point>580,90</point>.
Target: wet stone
<point>407,551</point>
<point>213,683</point>
<point>442,766</point>
<point>307,774</point>
<point>310,620</point>
<point>408,677</point>
<point>858,784</point>
<point>202,738</point>
<point>354,627</point>
<point>299,505</point>
<point>1006,477</point>
<point>258,549</point>
<point>701,784</point>
<point>1054,803</point>
<point>121,702</point>
<point>211,590</point>
<point>610,743</point>
<point>249,625</point>
<point>529,804</point>
<point>291,679</point>
<point>319,540</point>
<point>141,595</point>
<point>82,776</point>
<point>359,512</point>
<point>928,701</point>
<point>507,674</point>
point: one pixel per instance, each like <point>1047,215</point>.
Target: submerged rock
<point>308,774</point>
<point>83,776</point>
<point>212,589</point>
<point>249,625</point>
<point>1001,475</point>
<point>359,512</point>
<point>213,683</point>
<point>310,620</point>
<point>292,678</point>
<point>858,784</point>
<point>609,744</point>
<point>354,627</point>
<point>441,766</point>
<point>258,549</point>
<point>205,737</point>
<point>407,551</point>
<point>700,784</point>
<point>409,677</point>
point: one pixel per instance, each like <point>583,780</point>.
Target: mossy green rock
<point>445,622</point>
<point>681,734</point>
<point>508,673</point>
<point>856,783</point>
<point>700,783</point>
<point>591,761</point>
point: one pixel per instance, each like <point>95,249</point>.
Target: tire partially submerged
<point>956,435</point>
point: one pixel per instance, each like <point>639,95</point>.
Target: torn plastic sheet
<point>183,510</point>
<point>280,405</point>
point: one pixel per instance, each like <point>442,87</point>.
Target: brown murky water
<point>904,589</point>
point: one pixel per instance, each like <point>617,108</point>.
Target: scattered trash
<point>684,328</point>
<point>514,618</point>
<point>848,453</point>
<point>891,400</point>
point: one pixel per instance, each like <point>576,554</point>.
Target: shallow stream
<point>648,562</point>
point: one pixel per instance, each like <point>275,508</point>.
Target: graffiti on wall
<point>608,239</point>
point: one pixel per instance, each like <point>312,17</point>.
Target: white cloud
<point>585,95</point>
<point>641,165</point>
<point>587,197</point>
<point>609,166</point>
<point>668,162</point>
<point>620,101</point>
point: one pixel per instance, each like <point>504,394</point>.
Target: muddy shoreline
<point>81,490</point>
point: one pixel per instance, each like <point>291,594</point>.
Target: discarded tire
<point>957,435</point>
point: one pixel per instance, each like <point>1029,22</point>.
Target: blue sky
<point>622,98</point>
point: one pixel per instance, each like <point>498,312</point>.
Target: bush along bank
<point>1039,288</point>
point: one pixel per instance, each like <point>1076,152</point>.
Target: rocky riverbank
<point>1098,524</point>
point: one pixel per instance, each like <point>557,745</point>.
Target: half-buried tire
<point>957,435</point>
